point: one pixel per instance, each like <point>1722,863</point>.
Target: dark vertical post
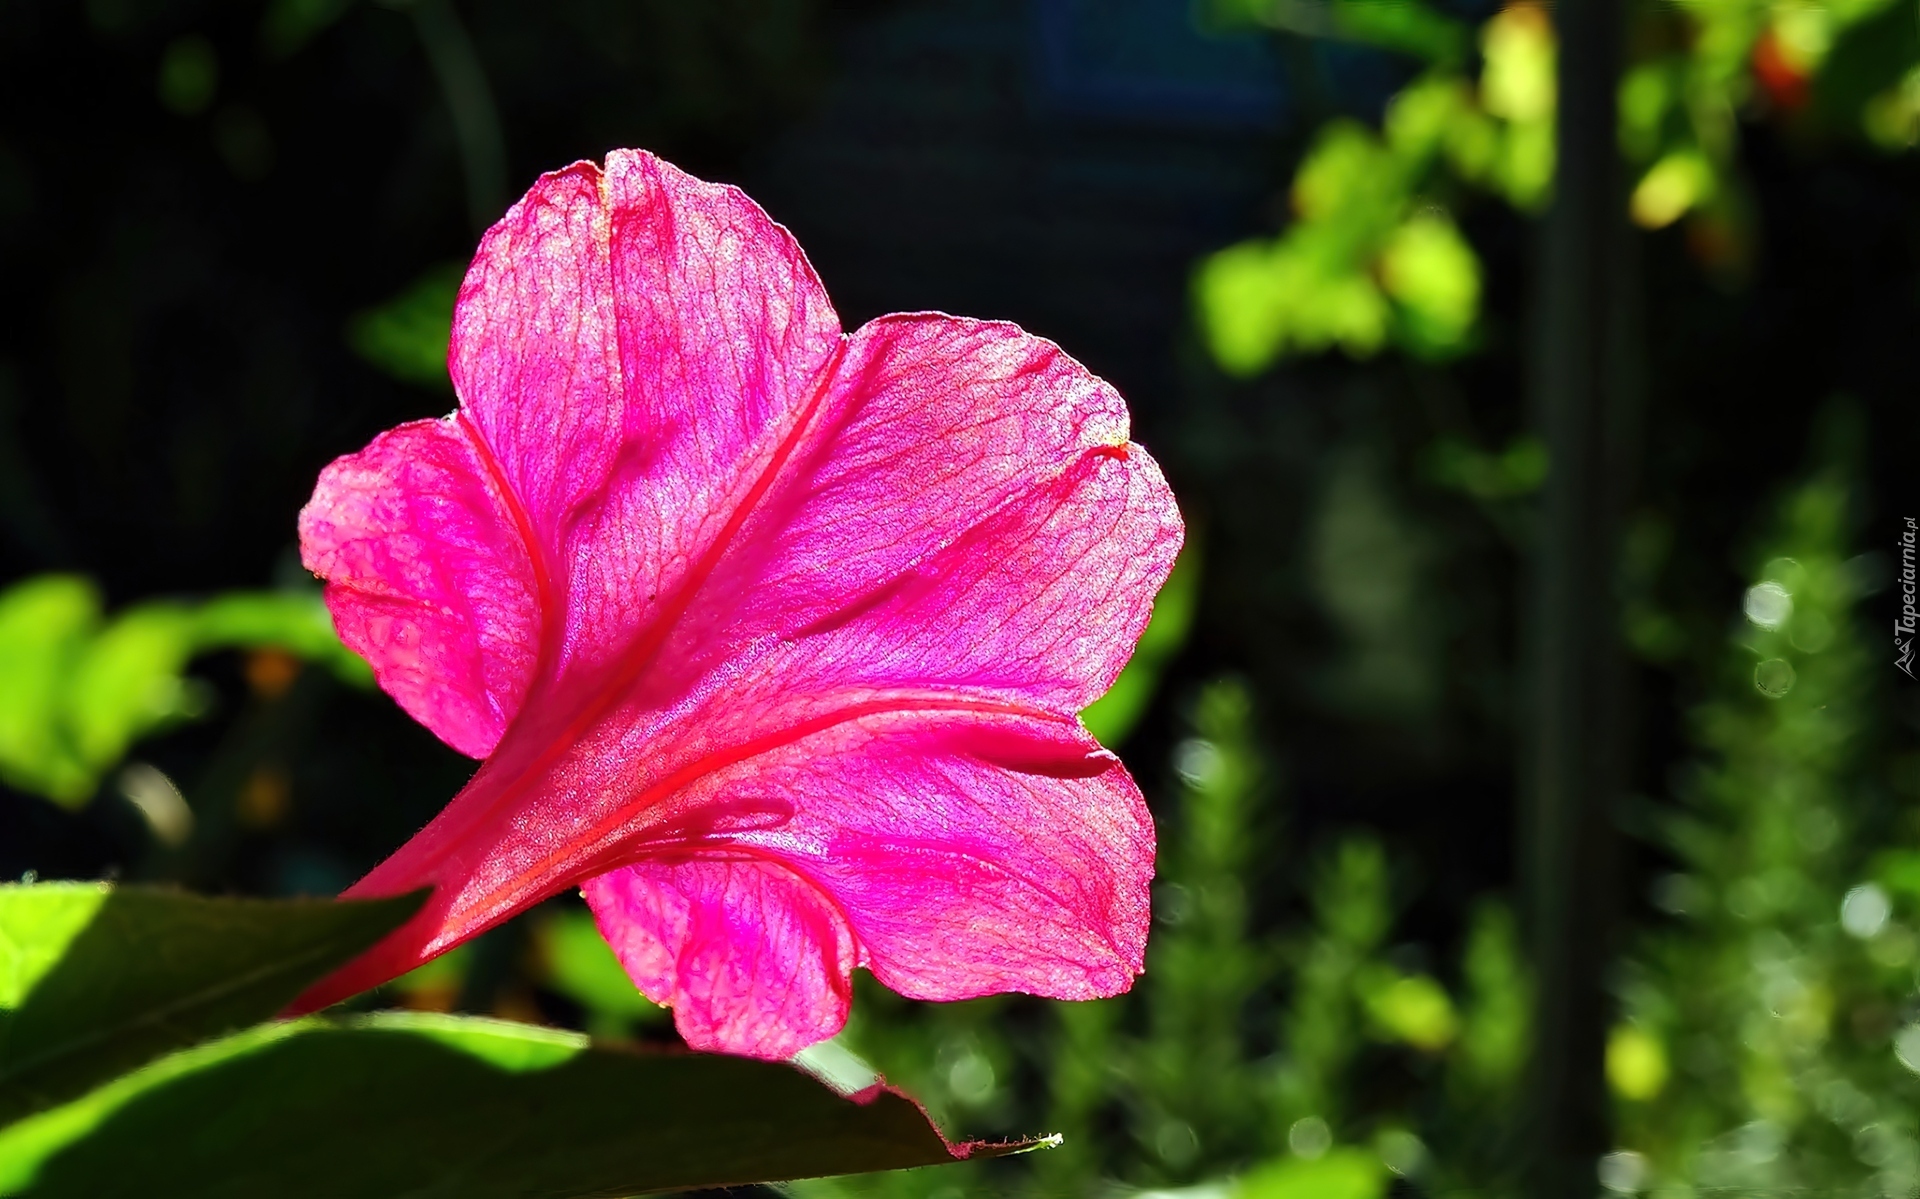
<point>1572,731</point>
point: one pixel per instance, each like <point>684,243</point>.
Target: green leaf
<point>75,692</point>
<point>1313,288</point>
<point>407,336</point>
<point>95,980</point>
<point>45,624</point>
<point>437,1107</point>
<point>1411,1008</point>
<point>1434,276</point>
<point>294,620</point>
<point>127,683</point>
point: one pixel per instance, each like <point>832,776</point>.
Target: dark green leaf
<point>95,980</point>
<point>439,1107</point>
<point>407,336</point>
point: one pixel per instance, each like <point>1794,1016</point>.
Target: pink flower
<point>773,637</point>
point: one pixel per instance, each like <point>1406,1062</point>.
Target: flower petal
<point>429,579</point>
<point>971,459</point>
<point>751,957</point>
<point>944,523</point>
<point>614,439</point>
<point>1012,857</point>
<point>982,856</point>
<point>534,355</point>
<point>634,345</point>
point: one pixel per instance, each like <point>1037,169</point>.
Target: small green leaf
<point>96,980</point>
<point>1431,272</point>
<point>407,336</point>
<point>434,1107</point>
<point>45,624</point>
<point>127,683</point>
<point>1411,1008</point>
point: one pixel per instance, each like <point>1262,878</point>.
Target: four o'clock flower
<point>773,637</point>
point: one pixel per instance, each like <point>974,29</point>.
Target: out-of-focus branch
<point>476,122</point>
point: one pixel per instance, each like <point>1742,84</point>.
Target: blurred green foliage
<point>288,25</point>
<point>1342,1173</point>
<point>77,690</point>
<point>1519,470</point>
<point>189,75</point>
<point>1842,66</point>
<point>1762,1050</point>
<point>1373,257</point>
